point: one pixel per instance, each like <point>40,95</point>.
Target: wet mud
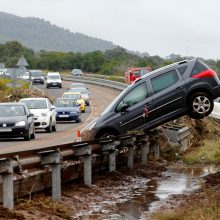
<point>125,194</point>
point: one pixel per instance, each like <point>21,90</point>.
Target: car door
<point>132,109</point>
<point>169,92</point>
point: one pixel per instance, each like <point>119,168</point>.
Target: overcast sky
<point>159,27</point>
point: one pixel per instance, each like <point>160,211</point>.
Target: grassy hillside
<point>39,34</point>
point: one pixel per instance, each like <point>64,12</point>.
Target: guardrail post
<point>145,148</point>
<point>142,141</point>
<point>110,147</point>
<point>6,171</point>
<point>85,150</point>
<point>156,151</point>
<point>129,143</point>
<point>53,158</point>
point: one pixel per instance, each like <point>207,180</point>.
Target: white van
<point>54,80</point>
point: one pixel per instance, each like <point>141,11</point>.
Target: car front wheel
<point>27,136</point>
<point>49,128</point>
<point>200,105</point>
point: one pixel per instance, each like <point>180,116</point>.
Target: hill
<point>39,34</point>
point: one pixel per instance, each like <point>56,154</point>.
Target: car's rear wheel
<point>200,105</point>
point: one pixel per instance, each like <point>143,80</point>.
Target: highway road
<point>66,131</point>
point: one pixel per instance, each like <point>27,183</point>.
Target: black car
<point>37,76</point>
<point>16,121</point>
<point>186,87</point>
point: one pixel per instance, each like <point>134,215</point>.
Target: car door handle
<point>180,88</point>
<point>149,103</point>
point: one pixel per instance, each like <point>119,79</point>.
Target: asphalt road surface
<point>100,97</point>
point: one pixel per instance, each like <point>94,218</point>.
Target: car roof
<point>72,93</point>
<point>35,70</point>
<point>40,98</point>
<point>53,73</point>
<point>12,103</point>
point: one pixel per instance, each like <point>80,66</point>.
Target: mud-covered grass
<point>7,214</point>
<point>203,204</point>
<point>42,203</point>
<point>204,149</point>
<point>205,142</point>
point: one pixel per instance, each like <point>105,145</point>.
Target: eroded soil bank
<point>124,194</point>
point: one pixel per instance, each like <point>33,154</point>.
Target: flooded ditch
<point>139,196</point>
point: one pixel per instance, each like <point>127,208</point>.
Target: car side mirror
<point>31,115</point>
<point>124,107</point>
<point>52,107</point>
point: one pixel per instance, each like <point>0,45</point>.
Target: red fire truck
<point>134,73</point>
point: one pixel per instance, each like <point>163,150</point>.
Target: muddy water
<point>146,195</point>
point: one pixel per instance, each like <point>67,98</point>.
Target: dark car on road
<point>186,87</point>
<point>36,76</point>
<point>16,121</point>
<point>67,110</point>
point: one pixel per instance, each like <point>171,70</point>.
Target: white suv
<point>44,113</point>
<point>54,80</point>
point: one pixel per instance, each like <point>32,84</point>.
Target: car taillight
<point>205,74</point>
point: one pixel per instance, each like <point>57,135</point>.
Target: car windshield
<point>81,90</point>
<point>137,73</point>
<point>77,85</point>
<point>11,110</point>
<point>65,103</point>
<point>78,71</point>
<point>53,77</point>
<point>36,74</point>
<point>35,104</point>
<point>72,96</point>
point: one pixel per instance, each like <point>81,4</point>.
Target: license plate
<point>54,84</point>
<point>63,116</point>
<point>5,129</point>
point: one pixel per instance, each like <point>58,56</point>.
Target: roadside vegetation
<point>111,62</point>
<point>13,93</point>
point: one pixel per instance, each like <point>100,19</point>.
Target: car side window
<point>136,95</point>
<point>164,81</point>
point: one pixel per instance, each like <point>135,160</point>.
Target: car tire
<point>54,127</point>
<point>33,135</point>
<point>49,128</point>
<point>27,136</point>
<point>78,120</point>
<point>106,134</point>
<point>200,105</point>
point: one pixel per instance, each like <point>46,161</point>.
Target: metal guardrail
<point>97,81</point>
<point>35,170</point>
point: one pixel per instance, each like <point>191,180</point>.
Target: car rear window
<point>164,81</point>
<point>198,68</point>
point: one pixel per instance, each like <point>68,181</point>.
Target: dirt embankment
<point>107,189</point>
